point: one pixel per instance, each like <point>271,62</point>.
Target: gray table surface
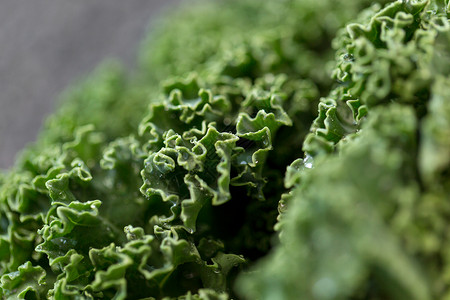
<point>47,44</point>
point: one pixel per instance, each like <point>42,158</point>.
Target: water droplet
<point>348,57</point>
<point>308,161</point>
<point>92,206</point>
<point>217,271</point>
<point>281,207</point>
<point>14,275</point>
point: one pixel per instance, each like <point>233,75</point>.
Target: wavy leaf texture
<point>235,165</point>
<point>374,163</point>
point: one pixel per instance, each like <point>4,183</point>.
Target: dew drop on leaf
<point>308,161</point>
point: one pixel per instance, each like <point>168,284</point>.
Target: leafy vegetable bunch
<point>169,184</point>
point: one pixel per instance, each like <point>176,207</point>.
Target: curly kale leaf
<point>366,216</point>
<point>116,201</point>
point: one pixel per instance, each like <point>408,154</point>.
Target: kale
<point>242,161</point>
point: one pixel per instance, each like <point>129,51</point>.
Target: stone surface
<point>47,44</point>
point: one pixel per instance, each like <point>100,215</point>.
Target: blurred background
<point>45,45</point>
